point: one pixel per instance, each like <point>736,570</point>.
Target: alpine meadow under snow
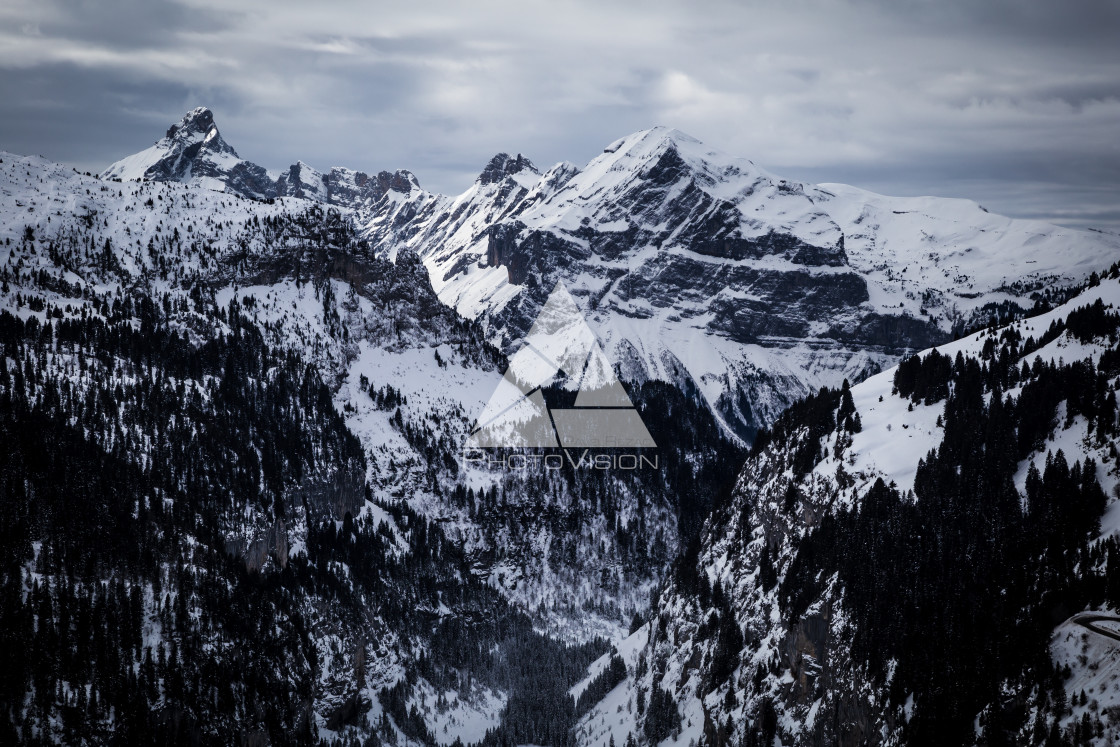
<point>238,503</point>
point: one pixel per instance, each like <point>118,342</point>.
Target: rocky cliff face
<point>342,187</point>
<point>695,266</point>
<point>503,165</point>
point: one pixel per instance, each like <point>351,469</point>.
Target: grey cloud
<point>1012,103</point>
<point>128,23</point>
<point>1079,22</point>
<point>83,116</point>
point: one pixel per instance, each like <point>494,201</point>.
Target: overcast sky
<point>1014,103</point>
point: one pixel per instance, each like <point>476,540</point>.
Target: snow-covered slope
<point>694,265</point>
<point>948,257</point>
<point>894,438</point>
<point>787,559</point>
<point>574,555</point>
<point>276,312</point>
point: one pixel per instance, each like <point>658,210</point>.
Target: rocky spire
<point>503,165</point>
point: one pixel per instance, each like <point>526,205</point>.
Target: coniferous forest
<point>161,454</point>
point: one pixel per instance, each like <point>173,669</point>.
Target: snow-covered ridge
<point>897,433</point>
<point>693,266</point>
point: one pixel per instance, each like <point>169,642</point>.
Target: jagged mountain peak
<point>661,175</point>
<point>195,132</point>
<point>302,180</point>
<point>193,151</point>
<point>401,180</point>
<point>503,165</point>
<point>198,120</point>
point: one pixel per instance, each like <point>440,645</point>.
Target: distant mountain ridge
<point>693,267</point>
<point>194,152</point>
<point>705,270</point>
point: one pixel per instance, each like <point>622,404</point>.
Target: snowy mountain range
<point>573,554</point>
<point>695,267</point>
<point>238,401</point>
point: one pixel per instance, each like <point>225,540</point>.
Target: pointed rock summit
<point>194,152</point>
<point>503,165</point>
<point>198,121</point>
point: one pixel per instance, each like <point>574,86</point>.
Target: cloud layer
<point>1015,103</point>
